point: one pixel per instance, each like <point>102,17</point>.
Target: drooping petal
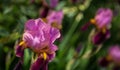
<point>39,64</point>
<point>19,51</point>
<point>100,37</point>
<point>45,66</point>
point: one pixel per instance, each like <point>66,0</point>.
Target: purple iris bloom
<point>114,53</point>
<point>112,56</point>
<point>102,22</point>
<point>102,19</point>
<point>39,37</point>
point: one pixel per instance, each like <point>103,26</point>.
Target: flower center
<point>56,25</point>
<point>45,20</point>
<point>23,44</point>
<point>93,21</point>
<point>44,55</point>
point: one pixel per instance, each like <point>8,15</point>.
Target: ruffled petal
<point>55,17</point>
<point>103,17</point>
<point>30,25</point>
<point>28,38</point>
<point>55,34</point>
<point>52,53</point>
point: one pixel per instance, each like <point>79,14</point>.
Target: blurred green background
<point>14,13</point>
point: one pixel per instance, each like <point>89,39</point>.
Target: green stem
<point>72,29</point>
<point>68,35</point>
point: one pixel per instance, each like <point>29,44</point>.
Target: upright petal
<point>30,25</point>
<point>114,52</point>
<point>35,38</point>
<point>103,17</point>
<point>53,3</point>
<point>55,16</point>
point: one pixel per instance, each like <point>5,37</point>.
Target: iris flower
<point>113,56</point>
<point>39,36</point>
<point>102,22</point>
